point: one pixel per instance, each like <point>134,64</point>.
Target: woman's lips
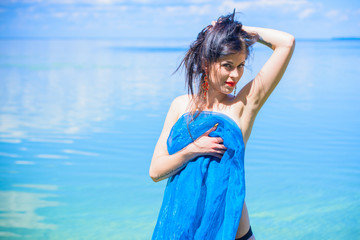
<point>231,84</point>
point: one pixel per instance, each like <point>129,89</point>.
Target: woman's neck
<point>215,100</point>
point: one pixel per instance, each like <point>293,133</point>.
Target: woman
<point>201,147</point>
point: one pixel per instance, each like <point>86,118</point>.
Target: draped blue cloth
<point>205,199</point>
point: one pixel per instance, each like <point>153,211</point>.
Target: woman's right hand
<point>206,145</point>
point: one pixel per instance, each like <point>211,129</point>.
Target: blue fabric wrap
<point>205,199</point>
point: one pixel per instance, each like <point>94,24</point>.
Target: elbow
<point>291,41</point>
<point>153,175</point>
<point>287,42</point>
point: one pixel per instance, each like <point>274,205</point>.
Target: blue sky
<point>146,19</point>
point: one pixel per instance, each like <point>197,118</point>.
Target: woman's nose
<point>235,73</point>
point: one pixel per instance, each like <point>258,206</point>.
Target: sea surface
<point>79,120</point>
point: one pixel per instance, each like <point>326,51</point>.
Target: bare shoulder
<point>182,104</point>
<point>177,108</point>
<point>181,99</point>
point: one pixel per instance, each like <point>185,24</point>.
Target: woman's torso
<point>235,110</point>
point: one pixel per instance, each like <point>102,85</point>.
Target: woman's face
<point>226,72</point>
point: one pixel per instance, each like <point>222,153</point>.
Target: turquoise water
<point>79,120</point>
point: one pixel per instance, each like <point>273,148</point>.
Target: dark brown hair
<point>213,42</point>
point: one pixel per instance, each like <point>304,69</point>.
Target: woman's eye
<point>228,66</point>
<point>242,65</point>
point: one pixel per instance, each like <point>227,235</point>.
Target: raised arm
<point>164,165</point>
<point>270,74</point>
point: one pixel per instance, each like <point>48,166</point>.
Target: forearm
<point>166,166</point>
<point>272,38</point>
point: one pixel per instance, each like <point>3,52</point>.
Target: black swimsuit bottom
<point>246,236</point>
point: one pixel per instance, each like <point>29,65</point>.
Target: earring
<point>205,86</point>
<point>235,91</point>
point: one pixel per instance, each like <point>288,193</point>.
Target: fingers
<point>218,154</point>
<point>220,147</point>
<point>218,140</point>
<point>211,129</point>
<point>213,146</point>
<point>218,151</point>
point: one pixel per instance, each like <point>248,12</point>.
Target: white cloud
<point>174,9</point>
<point>185,10</point>
<point>228,6</point>
<point>201,10</point>
<point>332,13</point>
<point>96,11</point>
<point>283,2</point>
<point>198,1</point>
<point>244,5</point>
<point>58,14</point>
<point>306,13</point>
<point>95,2</point>
<point>337,15</point>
